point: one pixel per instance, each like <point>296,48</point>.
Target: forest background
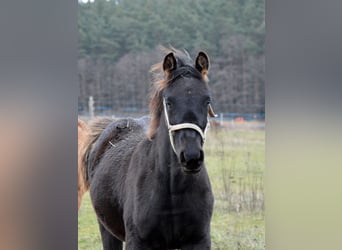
<point>118,43</point>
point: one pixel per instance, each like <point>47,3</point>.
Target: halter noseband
<point>185,125</point>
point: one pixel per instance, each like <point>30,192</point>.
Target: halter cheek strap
<point>180,126</point>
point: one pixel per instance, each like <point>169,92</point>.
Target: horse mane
<point>160,81</point>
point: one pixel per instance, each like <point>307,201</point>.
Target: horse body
<point>145,191</point>
<point>157,207</point>
<point>107,172</point>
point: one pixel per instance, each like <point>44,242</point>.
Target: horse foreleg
<point>109,242</point>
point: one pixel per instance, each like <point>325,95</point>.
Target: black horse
<point>153,192</point>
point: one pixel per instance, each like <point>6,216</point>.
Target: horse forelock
<point>160,82</point>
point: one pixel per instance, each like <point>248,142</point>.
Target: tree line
<point>118,43</point>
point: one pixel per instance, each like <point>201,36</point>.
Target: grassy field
<point>235,162</point>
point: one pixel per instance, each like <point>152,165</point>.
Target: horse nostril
<point>201,158</point>
<point>182,157</point>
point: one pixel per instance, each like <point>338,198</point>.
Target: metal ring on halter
<point>180,126</point>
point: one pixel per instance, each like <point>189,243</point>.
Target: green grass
<point>88,231</point>
<point>235,162</point>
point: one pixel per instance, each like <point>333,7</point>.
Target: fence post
<point>221,119</point>
<point>91,107</point>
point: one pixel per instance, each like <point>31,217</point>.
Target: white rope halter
<point>180,126</point>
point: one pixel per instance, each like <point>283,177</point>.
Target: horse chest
<point>172,218</point>
<point>171,209</point>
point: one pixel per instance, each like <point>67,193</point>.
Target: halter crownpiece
<point>186,125</point>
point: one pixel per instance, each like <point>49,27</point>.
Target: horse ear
<point>169,63</point>
<point>202,63</point>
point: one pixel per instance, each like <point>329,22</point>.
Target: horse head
<point>186,106</point>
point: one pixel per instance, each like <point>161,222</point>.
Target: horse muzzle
<point>191,160</point>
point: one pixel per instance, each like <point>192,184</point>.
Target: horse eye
<point>168,105</point>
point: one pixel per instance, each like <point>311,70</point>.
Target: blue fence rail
<point>107,109</point>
